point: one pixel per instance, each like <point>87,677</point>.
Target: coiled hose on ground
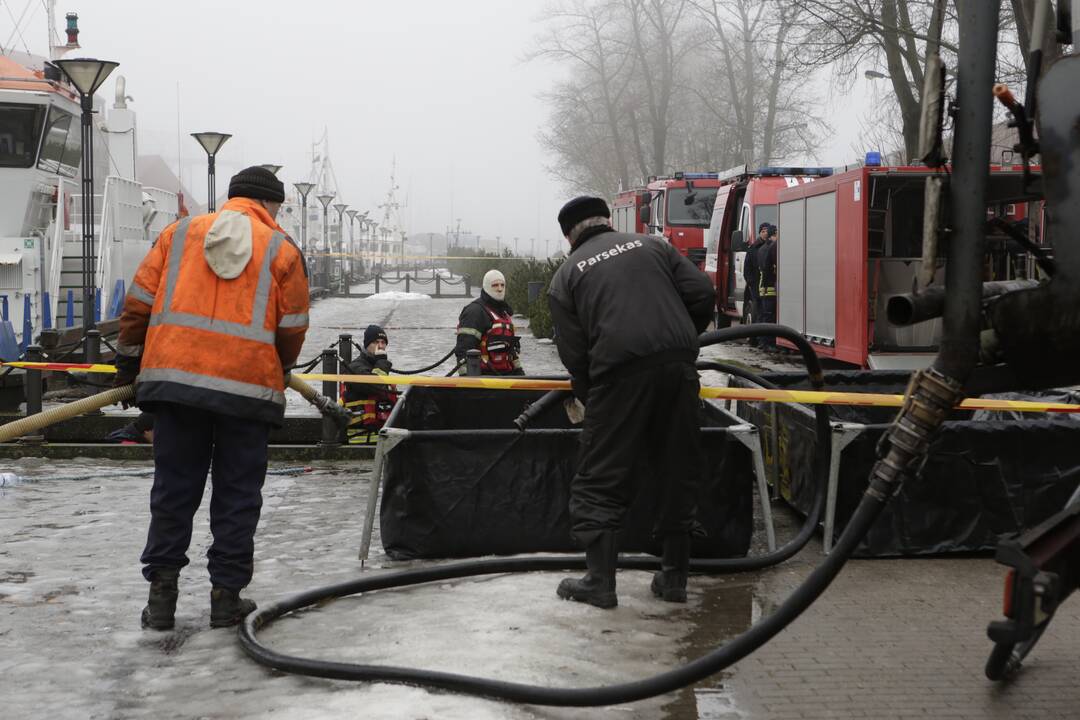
<point>709,664</point>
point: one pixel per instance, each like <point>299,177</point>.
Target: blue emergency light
<point>873,159</point>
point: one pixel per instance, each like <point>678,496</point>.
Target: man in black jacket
<point>766,259</point>
<point>628,310</point>
<point>487,324</point>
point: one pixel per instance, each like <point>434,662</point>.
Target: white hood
<point>227,247</point>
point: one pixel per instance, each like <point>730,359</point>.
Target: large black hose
<point>714,661</point>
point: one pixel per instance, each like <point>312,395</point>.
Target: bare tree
<point>586,36</point>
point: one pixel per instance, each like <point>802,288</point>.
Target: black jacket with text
<point>623,302</point>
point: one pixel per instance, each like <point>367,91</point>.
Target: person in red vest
<point>487,324</point>
<point>371,403</point>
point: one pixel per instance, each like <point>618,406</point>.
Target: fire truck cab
<point>676,208</point>
<point>745,199</point>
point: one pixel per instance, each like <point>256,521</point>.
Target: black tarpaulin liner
<point>465,484</point>
<point>987,473</point>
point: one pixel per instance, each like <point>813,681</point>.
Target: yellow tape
<point>806,397</point>
<point>487,382</point>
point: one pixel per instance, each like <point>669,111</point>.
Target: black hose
<point>714,661</point>
<point>737,371</point>
<point>541,405</point>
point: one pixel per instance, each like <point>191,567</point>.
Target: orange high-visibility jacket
<point>213,342</point>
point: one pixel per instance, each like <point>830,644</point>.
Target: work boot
<point>160,610</point>
<point>670,583</point>
<point>227,608</point>
<point>598,586</point>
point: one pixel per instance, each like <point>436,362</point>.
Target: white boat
<point>41,247</point>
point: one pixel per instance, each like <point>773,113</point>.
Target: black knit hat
<point>581,208</point>
<point>373,333</point>
<point>257,183</point>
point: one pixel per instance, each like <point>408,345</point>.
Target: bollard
<point>472,363</point>
<point>32,386</point>
<point>329,389</point>
<point>377,284</point>
<point>92,346</point>
<point>438,286</point>
<point>345,348</point>
<point>468,286</point>
<point>407,278</point>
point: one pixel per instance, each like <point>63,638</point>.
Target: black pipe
<point>540,406</point>
<point>911,308</point>
<point>724,656</point>
<point>971,161</point>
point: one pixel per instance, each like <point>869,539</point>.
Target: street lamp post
<point>325,199</point>
<point>87,75</point>
<point>211,142</point>
<point>340,207</point>
<point>303,188</point>
<point>352,241</point>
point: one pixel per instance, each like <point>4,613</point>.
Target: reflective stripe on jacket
<point>215,343</point>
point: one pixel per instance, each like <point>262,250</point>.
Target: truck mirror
<point>644,214</point>
<point>737,243</point>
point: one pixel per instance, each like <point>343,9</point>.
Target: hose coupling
<point>903,449</point>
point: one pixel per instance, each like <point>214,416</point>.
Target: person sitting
<point>487,324</point>
<point>373,403</point>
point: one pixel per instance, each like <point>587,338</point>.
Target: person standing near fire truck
<point>487,324</point>
<point>752,274</point>
<point>627,311</point>
<point>766,259</point>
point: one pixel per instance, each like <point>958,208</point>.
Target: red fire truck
<point>677,208</point>
<point>745,199</point>
<point>849,242</point>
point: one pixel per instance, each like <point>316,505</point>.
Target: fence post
<point>472,363</point>
<point>377,284</point>
<point>407,279</point>
<point>32,388</point>
<point>92,346</point>
<point>438,286</point>
<point>329,389</point>
<point>468,286</point>
<point>345,347</point>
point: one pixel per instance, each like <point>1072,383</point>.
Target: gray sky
<point>439,85</point>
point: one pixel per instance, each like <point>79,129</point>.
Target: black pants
<point>653,413</point>
<point>187,443</point>
<point>767,314</point>
<point>751,313</point>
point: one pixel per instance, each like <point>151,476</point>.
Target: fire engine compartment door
<point>820,286</point>
<point>790,265</point>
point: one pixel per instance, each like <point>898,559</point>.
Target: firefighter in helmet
<point>486,324</point>
<point>766,260</point>
<point>371,404</point>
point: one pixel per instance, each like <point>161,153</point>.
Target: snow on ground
<point>397,295</point>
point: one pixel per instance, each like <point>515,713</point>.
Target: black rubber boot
<point>227,608</point>
<point>598,586</point>
<point>670,583</point>
<point>160,610</point>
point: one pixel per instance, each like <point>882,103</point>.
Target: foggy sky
<point>441,86</point>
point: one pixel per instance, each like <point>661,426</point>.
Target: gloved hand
<point>575,411</point>
<point>127,369</point>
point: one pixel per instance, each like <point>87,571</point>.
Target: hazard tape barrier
<point>805,397</point>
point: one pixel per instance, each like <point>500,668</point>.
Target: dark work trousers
<point>767,314</point>
<point>653,413</point>
<point>188,442</point>
<point>751,313</point>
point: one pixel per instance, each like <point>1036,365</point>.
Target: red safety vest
<point>374,411</point>
<point>497,346</point>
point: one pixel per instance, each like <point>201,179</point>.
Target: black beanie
<point>257,183</point>
<point>581,208</point>
<point>373,333</point>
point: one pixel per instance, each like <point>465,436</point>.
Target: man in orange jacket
<point>216,313</point>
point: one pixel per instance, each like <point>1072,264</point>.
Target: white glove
<point>575,411</point>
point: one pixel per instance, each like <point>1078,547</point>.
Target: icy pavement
<point>71,593</point>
